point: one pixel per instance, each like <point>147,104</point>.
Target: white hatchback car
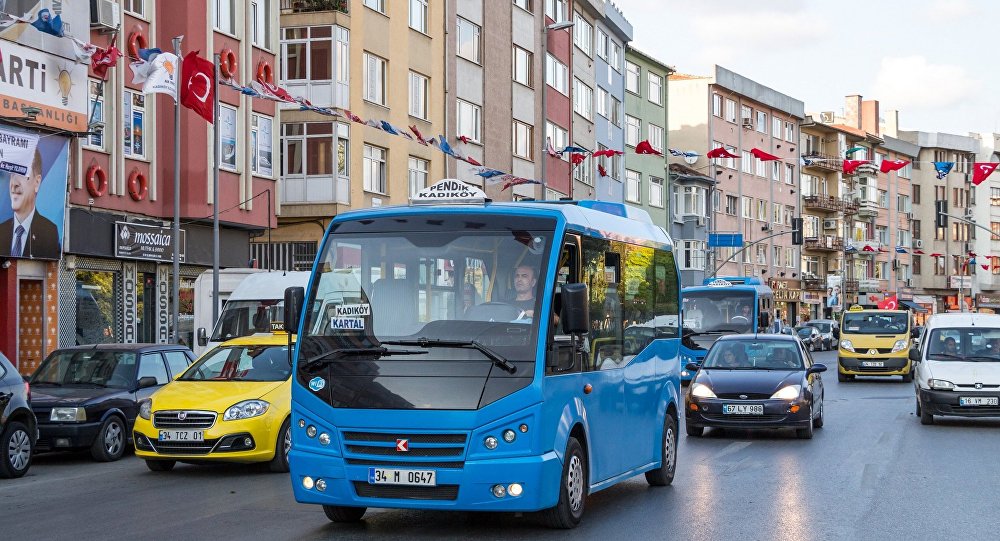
<point>957,366</point>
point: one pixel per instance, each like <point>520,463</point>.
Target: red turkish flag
<point>851,165</point>
<point>600,169</point>
<point>198,86</point>
<point>763,156</point>
<point>918,252</point>
<point>577,159</point>
<point>720,152</point>
<point>981,170</point>
<point>473,161</point>
<point>892,165</point>
<point>889,303</point>
<point>607,152</point>
<point>986,267</point>
<point>645,148</point>
<point>104,59</point>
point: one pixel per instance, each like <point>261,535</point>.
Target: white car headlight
<point>68,415</point>
<point>245,410</point>
<point>701,390</point>
<point>790,392</point>
<point>940,384</point>
<point>146,408</point>
<point>846,344</point>
<point>900,345</point>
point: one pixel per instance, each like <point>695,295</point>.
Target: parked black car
<point>18,428</point>
<point>87,396</point>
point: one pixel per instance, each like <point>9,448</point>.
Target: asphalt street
<point>872,472</point>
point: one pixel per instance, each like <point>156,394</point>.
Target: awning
<point>910,305</point>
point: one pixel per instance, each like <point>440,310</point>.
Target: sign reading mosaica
<point>137,241</point>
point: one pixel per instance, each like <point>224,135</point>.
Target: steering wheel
<point>494,311</point>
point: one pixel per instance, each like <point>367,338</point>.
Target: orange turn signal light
<point>794,408</point>
<point>694,407</point>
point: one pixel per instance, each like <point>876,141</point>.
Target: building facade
<point>612,34</point>
<point>646,119</point>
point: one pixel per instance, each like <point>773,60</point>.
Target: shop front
<point>812,305</point>
<point>928,303</point>
<point>988,303</point>
<point>787,298</point>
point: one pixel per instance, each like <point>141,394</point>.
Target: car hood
<point>214,396</point>
<point>723,381</point>
<point>46,395</point>
<point>960,372</point>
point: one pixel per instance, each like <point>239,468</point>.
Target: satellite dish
<point>690,159</point>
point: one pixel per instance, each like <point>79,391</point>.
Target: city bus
<point>874,343</point>
<point>481,363</point>
<point>726,305</point>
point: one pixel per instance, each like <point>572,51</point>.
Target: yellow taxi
<point>231,405</point>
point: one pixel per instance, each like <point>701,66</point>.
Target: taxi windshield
<point>241,363</point>
<point>964,344</point>
<point>754,355</point>
<point>875,323</point>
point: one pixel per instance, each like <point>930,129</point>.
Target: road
<point>873,472</point>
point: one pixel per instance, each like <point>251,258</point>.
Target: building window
<point>584,172</point>
<point>730,110</point>
<point>557,137</point>
<point>468,40</point>
<point>523,146</point>
<point>631,77</point>
<point>227,135</point>
<point>419,87</point>
<point>789,174</point>
<point>761,210</point>
<point>915,228</point>
<point>583,99</point>
<point>776,127</point>
<point>224,16</point>
<point>789,132</point>
<point>746,114</point>
<point>761,167</point>
<point>632,130</point>
<point>731,203</point>
<point>656,192</point>
<point>313,56</point>
<point>135,7</point>
<point>469,120</point>
<point>761,254</point>
<point>791,261</point>
<point>522,66</point>
<point>134,125</point>
<point>377,5</point>
<point>762,121</point>
<point>994,197</point>
<point>261,130</point>
<point>555,9</point>
<point>616,111</point>
<point>717,105</point>
<point>633,182</point>
<point>583,34</point>
<point>418,174</point>
<point>308,162</point>
<point>655,87</point>
<point>523,4</point>
<point>418,15</point>
<point>692,255</point>
<point>655,137</point>
<point>776,171</point>
<point>690,201</point>
<point>375,79</point>
<point>789,213</point>
<point>96,140</point>
<point>556,74</point>
<point>603,98</point>
<point>260,18</point>
<point>602,45</point>
<point>746,162</point>
<point>747,207</point>
<point>916,265</point>
<point>615,60</point>
<point>375,163</point>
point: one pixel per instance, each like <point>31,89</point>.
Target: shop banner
<point>33,176</point>
<point>52,88</point>
<point>150,242</point>
<point>834,286</point>
<point>74,15</point>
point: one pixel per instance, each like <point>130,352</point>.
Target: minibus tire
<point>563,516</point>
<point>340,513</point>
<point>664,475</point>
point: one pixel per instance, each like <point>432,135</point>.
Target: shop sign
<point>787,295</point>
<point>810,297</point>
<point>960,282</point>
<point>54,88</point>
<point>868,284</point>
<point>906,294</point>
<point>991,300</point>
<point>149,242</point>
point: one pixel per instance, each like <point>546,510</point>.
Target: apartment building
<point>753,197</point>
<point>612,33</point>
<point>986,213</point>
<point>583,132</point>
<point>645,120</point>
<point>382,60</point>
<point>107,158</point>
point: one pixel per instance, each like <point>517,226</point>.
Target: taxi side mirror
<point>202,337</point>
<point>914,354</point>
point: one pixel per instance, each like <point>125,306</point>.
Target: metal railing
<point>305,6</point>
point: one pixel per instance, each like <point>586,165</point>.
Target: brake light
<point>27,390</point>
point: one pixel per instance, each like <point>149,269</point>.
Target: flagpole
<point>100,84</point>
<point>176,241</point>
<point>215,194</point>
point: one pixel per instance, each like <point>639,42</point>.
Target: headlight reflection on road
<point>791,509</point>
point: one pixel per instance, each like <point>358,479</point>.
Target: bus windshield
<point>875,323</point>
<point>722,310</point>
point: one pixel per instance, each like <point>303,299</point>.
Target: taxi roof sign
<point>719,282</point>
<point>449,190</point>
<point>856,308</point>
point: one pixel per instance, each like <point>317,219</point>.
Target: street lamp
<point>545,70</point>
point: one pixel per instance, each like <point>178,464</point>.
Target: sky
<point>929,59</point>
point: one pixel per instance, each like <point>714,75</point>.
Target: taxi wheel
<point>109,445</point>
<point>844,377</point>
<point>573,486</point>
<point>279,464</point>
<point>664,475</point>
<point>908,377</point>
<point>160,465</point>
<point>337,513</point>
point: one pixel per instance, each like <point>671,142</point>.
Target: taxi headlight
<point>68,415</point>
<point>245,410</point>
<point>940,384</point>
<point>146,408</point>
<point>900,345</point>
<point>790,392</point>
<point>846,344</point>
<point>700,390</point>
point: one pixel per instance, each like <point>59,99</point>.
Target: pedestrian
<point>779,325</point>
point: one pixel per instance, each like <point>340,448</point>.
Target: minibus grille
<point>432,450</point>
<point>440,492</point>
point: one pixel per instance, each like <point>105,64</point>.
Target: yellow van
<point>874,343</point>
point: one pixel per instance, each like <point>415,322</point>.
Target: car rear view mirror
<point>147,382</point>
<point>915,355</point>
<point>816,368</point>
<point>575,309</point>
<point>294,297</point>
<point>692,367</point>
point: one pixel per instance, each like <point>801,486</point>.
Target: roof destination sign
<point>449,190</point>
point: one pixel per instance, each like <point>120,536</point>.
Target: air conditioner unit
<point>908,282</point>
<point>917,243</point>
<point>829,224</point>
<point>748,123</point>
<point>701,221</point>
<point>826,117</point>
<point>104,13</point>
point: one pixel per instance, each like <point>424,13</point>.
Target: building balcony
<point>827,243</point>
<point>868,209</point>
<point>865,247</point>
<point>823,162</point>
<point>850,286</point>
<point>814,283</point>
<point>849,206</point>
<point>306,6</point>
<point>823,203</point>
<point>869,285</point>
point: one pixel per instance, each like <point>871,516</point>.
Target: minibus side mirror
<point>575,309</point>
<point>294,297</point>
<point>202,337</point>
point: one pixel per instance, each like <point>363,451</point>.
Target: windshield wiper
<point>979,358</point>
<point>498,360</point>
<point>330,356</point>
<point>713,331</point>
<point>948,355</point>
<point>56,383</point>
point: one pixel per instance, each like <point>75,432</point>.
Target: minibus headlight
<point>847,345</point>
<point>900,345</point>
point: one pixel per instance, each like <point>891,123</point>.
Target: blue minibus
<point>482,364</point>
<point>725,305</point>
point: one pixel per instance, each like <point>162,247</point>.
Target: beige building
<point>380,59</point>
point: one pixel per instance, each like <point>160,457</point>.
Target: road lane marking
<point>732,448</point>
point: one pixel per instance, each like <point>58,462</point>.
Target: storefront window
<point>185,310</point>
<point>95,307</point>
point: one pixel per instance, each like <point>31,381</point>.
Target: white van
<point>957,366</point>
<point>250,308</point>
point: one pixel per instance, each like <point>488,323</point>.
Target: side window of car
<point>177,361</point>
<point>151,365</point>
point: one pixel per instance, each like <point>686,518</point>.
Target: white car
<point>957,366</point>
